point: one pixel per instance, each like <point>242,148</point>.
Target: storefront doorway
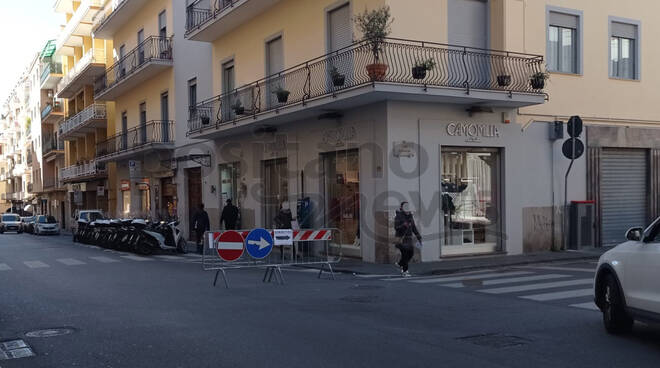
<point>471,207</point>
<point>169,201</point>
<point>229,177</point>
<point>341,186</point>
<point>194,176</point>
<point>276,189</point>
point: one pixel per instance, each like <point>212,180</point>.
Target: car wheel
<point>615,318</point>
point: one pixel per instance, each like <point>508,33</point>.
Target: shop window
<point>470,200</point>
<point>341,171</point>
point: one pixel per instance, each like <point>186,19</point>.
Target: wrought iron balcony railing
<point>51,182</point>
<point>52,106</point>
<point>91,56</point>
<point>95,111</point>
<point>202,11</point>
<point>86,169</point>
<point>50,143</point>
<point>155,131</point>
<point>154,48</point>
<point>449,66</point>
<point>50,68</point>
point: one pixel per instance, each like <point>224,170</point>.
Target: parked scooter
<point>162,235</point>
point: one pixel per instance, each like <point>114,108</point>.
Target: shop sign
<point>473,131</point>
<point>100,191</point>
<point>144,184</point>
<point>125,185</point>
<point>134,168</point>
<point>339,136</point>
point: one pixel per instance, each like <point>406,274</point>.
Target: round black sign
<point>574,126</point>
<point>567,148</point>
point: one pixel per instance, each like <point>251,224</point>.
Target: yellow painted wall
<point>147,19</point>
<point>593,95</point>
<point>423,20</point>
<point>148,92</point>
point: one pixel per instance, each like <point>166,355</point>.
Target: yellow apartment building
<point>90,184</point>
<point>452,112</point>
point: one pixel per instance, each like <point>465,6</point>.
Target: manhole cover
<point>361,298</point>
<point>497,341</point>
<point>366,287</point>
<point>50,332</point>
<point>14,349</point>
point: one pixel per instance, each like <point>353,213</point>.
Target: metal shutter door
<point>340,28</point>
<point>623,193</point>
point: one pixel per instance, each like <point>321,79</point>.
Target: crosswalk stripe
<point>588,305</point>
<point>4,267</point>
<point>70,261</point>
<point>409,279</point>
<point>103,259</point>
<point>556,268</point>
<point>511,280</point>
<point>136,258</point>
<point>169,258</point>
<point>559,295</point>
<point>35,264</point>
<point>471,277</point>
<point>548,285</point>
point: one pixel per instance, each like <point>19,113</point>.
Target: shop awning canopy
<point>48,51</point>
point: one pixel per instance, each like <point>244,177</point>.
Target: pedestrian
<point>229,215</point>
<point>284,217</point>
<point>404,225</point>
<point>200,224</point>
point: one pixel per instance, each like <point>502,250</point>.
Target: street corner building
<point>150,108</point>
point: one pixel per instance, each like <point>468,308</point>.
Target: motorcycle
<point>163,236</point>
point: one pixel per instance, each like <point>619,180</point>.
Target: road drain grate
<point>15,349</point>
<point>493,340</point>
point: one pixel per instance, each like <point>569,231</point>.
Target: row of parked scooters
<point>133,235</point>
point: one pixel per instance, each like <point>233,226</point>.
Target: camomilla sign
<point>473,130</point>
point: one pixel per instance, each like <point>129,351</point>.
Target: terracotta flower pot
<point>377,72</point>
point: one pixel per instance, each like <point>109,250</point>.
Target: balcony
<point>51,147</point>
<point>51,75</point>
<point>207,20</point>
<point>89,68</point>
<point>84,171</point>
<point>51,184</point>
<point>52,113</point>
<point>461,75</point>
<point>148,59</point>
<point>117,13</point>
<point>157,135</point>
<point>92,117</point>
<point>78,26</point>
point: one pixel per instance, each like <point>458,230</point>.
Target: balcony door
<point>228,85</point>
<point>122,62</point>
<point>274,65</point>
<point>468,24</point>
<point>340,36</point>
<point>124,131</point>
<point>143,123</point>
<point>165,117</point>
<point>140,41</point>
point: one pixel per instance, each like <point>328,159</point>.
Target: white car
<point>626,286</point>
<point>46,225</point>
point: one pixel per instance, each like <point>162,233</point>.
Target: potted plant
<point>538,79</point>
<point>375,26</point>
<point>338,79</point>
<point>421,67</point>
<point>205,120</point>
<point>282,94</point>
<point>503,79</point>
<point>238,107</point>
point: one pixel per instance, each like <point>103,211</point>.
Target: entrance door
<point>143,123</point>
<point>470,200</point>
<point>276,189</point>
<point>623,187</point>
<point>341,172</point>
<point>194,176</point>
<point>468,26</point>
<point>229,176</point>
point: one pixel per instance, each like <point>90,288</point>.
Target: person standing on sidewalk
<point>229,215</point>
<point>404,225</point>
<point>201,224</point>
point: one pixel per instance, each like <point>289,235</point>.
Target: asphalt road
<point>127,311</point>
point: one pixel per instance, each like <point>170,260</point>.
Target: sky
<point>25,26</point>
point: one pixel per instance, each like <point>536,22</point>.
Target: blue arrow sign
<point>259,243</point>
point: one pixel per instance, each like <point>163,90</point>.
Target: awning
<point>48,50</point>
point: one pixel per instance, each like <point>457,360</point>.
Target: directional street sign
<point>259,243</point>
<point>230,246</point>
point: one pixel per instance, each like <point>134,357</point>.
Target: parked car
<point>11,222</point>
<point>28,223</point>
<point>46,225</point>
<point>626,285</point>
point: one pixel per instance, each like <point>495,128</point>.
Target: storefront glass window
<point>342,194</point>
<point>126,202</point>
<point>229,177</point>
<point>470,200</point>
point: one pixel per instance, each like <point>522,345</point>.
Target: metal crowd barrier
<point>309,247</point>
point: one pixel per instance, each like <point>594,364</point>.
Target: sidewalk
<point>454,265</point>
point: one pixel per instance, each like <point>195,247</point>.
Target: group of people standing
<point>201,223</point>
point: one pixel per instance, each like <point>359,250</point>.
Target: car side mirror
<point>634,233</point>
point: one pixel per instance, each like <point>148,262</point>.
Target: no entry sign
<point>230,246</point>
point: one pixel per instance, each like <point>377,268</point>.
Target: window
<point>624,50</point>
<point>162,24</point>
<point>562,48</point>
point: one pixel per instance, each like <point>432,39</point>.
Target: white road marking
<point>511,280</point>
<point>548,285</point>
<point>555,268</point>
<point>471,277</point>
<point>4,267</point>
<point>137,258</point>
<point>398,278</point>
<point>588,305</point>
<point>70,261</point>
<point>103,259</point>
<point>169,258</point>
<point>559,295</point>
<point>35,264</point>
<point>192,255</point>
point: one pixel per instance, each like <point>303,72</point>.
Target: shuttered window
<point>339,25</point>
<point>562,50</point>
<point>624,50</point>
